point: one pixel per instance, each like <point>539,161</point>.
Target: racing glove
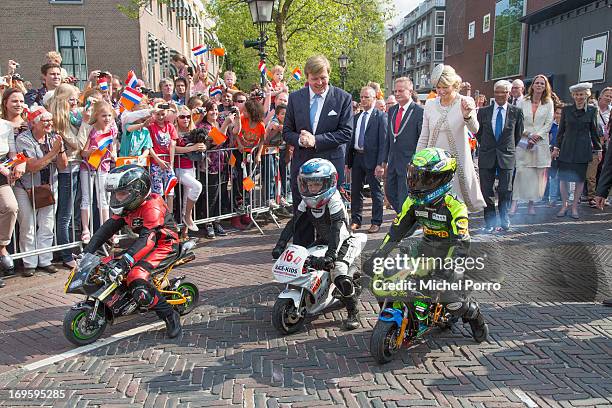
<point>322,262</point>
<point>278,249</point>
<point>116,269</point>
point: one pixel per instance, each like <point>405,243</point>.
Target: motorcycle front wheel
<point>383,341</point>
<point>285,317</point>
<point>79,330</point>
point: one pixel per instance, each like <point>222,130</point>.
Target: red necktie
<point>398,119</point>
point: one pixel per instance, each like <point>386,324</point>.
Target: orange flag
<point>96,157</point>
<point>269,74</point>
<point>232,160</point>
<point>219,52</point>
<point>248,183</point>
<point>217,136</point>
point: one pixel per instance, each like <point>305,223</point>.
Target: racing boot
<point>173,324</point>
<point>470,312</point>
<point>352,320</point>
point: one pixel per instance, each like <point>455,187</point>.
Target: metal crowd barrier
<point>220,199</point>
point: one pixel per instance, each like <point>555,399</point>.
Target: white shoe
<point>191,226</point>
<point>273,205</point>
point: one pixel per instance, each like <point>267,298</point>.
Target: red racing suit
<point>157,243</point>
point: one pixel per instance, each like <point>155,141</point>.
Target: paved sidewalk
<point>547,347</point>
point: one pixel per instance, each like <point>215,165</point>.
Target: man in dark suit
<point>318,123</point>
<point>501,128</point>
<point>404,122</point>
<point>365,157</point>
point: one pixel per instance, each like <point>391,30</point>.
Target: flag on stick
<point>219,52</point>
<point>130,98</point>
<point>217,137</point>
<point>104,140</point>
<point>262,66</point>
<point>297,74</point>
<point>199,50</point>
<point>132,80</point>
<point>103,83</point>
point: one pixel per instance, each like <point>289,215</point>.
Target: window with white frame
<point>471,30</point>
<point>440,22</point>
<point>149,6</point>
<point>169,18</point>
<point>70,43</point>
<point>439,49</point>
<point>160,11</point>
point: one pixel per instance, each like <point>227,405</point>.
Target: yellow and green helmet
<point>430,174</point>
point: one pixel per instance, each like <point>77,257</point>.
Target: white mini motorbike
<point>308,291</point>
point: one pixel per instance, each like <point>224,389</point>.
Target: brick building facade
<point>96,35</point>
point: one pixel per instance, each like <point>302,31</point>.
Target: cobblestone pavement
<point>547,347</point>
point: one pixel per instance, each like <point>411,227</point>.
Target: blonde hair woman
<point>446,122</point>
<point>533,154</point>
<point>67,120</point>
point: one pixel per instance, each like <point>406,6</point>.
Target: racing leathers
<point>331,223</point>
<point>446,235</point>
<point>156,245</point>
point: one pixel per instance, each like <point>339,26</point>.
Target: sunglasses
<point>241,101</point>
<point>184,116</point>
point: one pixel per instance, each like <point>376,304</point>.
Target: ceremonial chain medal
<point>402,127</point>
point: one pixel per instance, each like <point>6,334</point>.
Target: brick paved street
<point>546,348</point>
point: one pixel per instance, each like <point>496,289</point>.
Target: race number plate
<point>289,265</point>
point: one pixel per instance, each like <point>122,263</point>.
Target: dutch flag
<point>214,91</point>
<point>262,66</point>
<point>103,84</point>
<point>104,140</point>
<point>199,50</point>
<point>297,74</point>
<point>132,80</point>
<point>130,97</point>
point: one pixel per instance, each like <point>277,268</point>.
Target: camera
<point>146,91</point>
<point>200,110</point>
<point>16,77</point>
<point>163,106</point>
<point>104,74</point>
<point>234,109</point>
<point>257,94</point>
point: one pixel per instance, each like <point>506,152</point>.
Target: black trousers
<point>504,193</point>
<point>361,175</point>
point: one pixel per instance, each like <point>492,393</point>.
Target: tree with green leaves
<point>301,28</point>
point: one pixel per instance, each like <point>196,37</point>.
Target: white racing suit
<point>331,223</point>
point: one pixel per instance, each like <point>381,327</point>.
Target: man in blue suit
<point>365,157</point>
<point>318,123</point>
<point>404,128</point>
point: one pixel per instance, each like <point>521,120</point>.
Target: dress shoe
<point>374,229</point>
<point>219,229</point>
<point>28,272</point>
<point>49,269</point>
<point>355,226</point>
<point>6,262</point>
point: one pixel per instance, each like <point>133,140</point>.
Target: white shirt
<point>358,126</point>
<point>319,107</point>
<point>494,118</point>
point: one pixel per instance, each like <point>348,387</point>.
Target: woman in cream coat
<point>533,159</point>
<point>446,122</point>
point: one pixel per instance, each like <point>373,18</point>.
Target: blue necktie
<point>499,123</point>
<point>313,110</point>
<point>360,141</point>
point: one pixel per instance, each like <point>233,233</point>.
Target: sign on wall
<point>593,57</point>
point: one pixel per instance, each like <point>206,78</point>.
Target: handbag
<point>40,196</point>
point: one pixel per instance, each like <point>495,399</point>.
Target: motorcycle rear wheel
<point>187,289</point>
<point>78,330</point>
<point>284,317</point>
<point>382,342</point>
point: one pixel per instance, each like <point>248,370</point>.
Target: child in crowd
<point>277,84</point>
<point>274,139</point>
<point>136,139</point>
<point>163,136</point>
<point>229,80</point>
<point>102,119</point>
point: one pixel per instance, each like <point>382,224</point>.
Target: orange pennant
<point>217,136</point>
<point>232,160</point>
<point>269,74</point>
<point>248,183</point>
<point>219,52</point>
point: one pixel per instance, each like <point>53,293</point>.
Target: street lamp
<point>343,60</point>
<point>261,14</point>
